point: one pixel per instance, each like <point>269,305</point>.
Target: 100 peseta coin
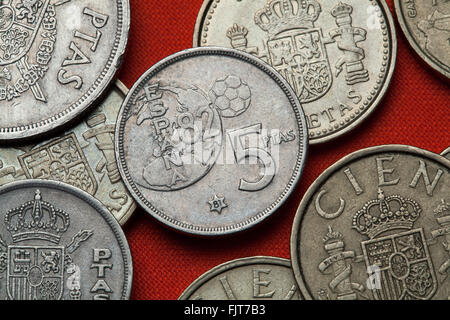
<point>57,57</point>
<point>375,226</point>
<point>211,141</point>
<point>59,243</point>
<point>338,56</point>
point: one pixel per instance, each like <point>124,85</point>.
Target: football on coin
<point>231,96</point>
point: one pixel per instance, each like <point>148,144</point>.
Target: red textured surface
<point>414,112</point>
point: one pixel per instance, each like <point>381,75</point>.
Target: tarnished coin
<point>246,279</point>
<point>59,243</point>
<point>82,157</point>
<point>338,56</point>
<point>376,226</point>
<point>211,141</point>
<point>56,58</point>
<point>426,25</point>
<point>446,153</point>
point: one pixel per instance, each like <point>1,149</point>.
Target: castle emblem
<point>36,272</point>
<point>295,47</point>
<point>25,24</point>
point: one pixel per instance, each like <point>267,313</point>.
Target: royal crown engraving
<point>386,213</point>
<point>296,48</point>
<point>281,15</point>
<point>37,220</point>
<point>37,272</point>
<point>25,24</point>
<point>394,247</point>
<point>238,36</point>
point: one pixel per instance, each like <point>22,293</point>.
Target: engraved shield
<point>62,160</point>
<point>300,56</point>
<point>407,272</point>
<point>20,21</point>
<point>35,273</point>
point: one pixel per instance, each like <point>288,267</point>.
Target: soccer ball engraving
<point>231,96</point>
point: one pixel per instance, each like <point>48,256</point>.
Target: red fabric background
<point>414,112</point>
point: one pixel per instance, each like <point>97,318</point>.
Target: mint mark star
<point>217,204</point>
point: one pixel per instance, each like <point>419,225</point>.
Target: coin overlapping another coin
<point>212,141</point>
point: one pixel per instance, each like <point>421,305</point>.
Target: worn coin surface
<point>446,153</point>
<point>59,243</point>
<point>426,25</point>
<point>211,141</point>
<point>338,56</point>
<point>246,279</point>
<point>82,157</point>
<point>56,58</point>
<point>376,225</point>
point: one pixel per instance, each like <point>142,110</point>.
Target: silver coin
<point>82,157</point>
<point>211,141</point>
<point>426,25</point>
<point>255,278</point>
<point>376,225</point>
<point>338,56</point>
<point>56,59</point>
<point>59,243</point>
<point>446,153</point>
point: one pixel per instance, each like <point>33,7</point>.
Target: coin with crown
<point>376,226</point>
<point>338,56</point>
<point>50,249</point>
<point>57,58</point>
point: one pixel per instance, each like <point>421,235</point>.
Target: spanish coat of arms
<point>296,48</point>
<point>39,272</point>
<point>399,252</point>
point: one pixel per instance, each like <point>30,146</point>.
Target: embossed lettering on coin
<point>56,58</point>
<point>337,56</point>
<point>426,25</point>
<point>195,151</point>
<point>389,239</point>
<point>256,278</point>
<point>59,243</point>
<point>83,157</point>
